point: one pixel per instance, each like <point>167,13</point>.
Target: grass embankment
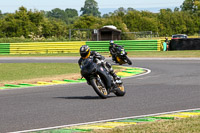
<point>185,125</point>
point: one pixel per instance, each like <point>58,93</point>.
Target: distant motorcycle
<point>99,78</point>
<point>121,56</point>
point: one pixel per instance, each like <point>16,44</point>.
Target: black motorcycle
<point>99,78</point>
<point>121,56</point>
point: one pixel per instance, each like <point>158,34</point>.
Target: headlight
<point>122,52</point>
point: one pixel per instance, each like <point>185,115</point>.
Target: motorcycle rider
<point>85,53</point>
<point>112,50</point>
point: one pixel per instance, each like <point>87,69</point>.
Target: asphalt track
<point>173,84</point>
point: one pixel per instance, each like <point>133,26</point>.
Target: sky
<point>10,6</point>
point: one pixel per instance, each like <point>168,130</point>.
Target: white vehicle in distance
<point>179,36</point>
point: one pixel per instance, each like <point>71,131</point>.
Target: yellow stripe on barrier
<point>159,45</point>
<point>106,125</point>
<point>45,83</point>
<point>46,47</point>
<point>60,82</point>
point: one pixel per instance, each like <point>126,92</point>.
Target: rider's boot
<point>114,75</point>
<point>113,59</point>
<point>111,71</point>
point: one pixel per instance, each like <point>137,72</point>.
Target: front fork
<point>100,81</point>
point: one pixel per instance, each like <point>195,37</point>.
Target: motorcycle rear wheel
<point>99,89</point>
<point>120,91</point>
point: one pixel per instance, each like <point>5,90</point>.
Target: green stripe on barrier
<point>63,131</point>
<point>73,81</point>
<point>146,119</point>
<point>129,45</point>
<point>26,84</point>
<point>4,48</point>
<point>83,80</point>
<point>196,111</point>
<point>11,85</point>
<point>157,117</point>
<point>132,72</point>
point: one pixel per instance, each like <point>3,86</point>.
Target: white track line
<point>78,124</point>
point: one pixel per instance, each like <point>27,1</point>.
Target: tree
<point>56,13</point>
<point>66,15</point>
<point>71,13</point>
<point>91,8</point>
<point>86,22</point>
<point>191,5</point>
<point>120,12</point>
<point>0,14</point>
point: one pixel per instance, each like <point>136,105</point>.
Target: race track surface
<point>172,85</point>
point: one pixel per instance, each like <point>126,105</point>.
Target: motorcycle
<point>121,56</point>
<point>99,78</point>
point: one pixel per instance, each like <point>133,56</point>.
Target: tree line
<point>57,22</point>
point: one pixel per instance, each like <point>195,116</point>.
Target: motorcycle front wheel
<point>120,91</point>
<point>99,88</point>
<point>128,61</point>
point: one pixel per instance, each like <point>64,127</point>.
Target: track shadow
<point>82,97</point>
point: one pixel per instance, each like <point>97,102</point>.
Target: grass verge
<point>32,72</point>
<point>16,72</point>
<point>185,125</point>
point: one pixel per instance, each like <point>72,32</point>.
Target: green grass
<point>40,55</point>
<point>136,54</point>
<point>185,125</point>
<point>24,71</point>
<point>21,71</point>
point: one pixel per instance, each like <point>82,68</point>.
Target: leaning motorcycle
<point>99,78</point>
<point>121,56</point>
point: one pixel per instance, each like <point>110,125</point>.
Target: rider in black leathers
<point>86,53</point>
<point>112,50</point>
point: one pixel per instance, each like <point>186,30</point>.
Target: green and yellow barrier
<point>45,47</point>
<point>73,47</point>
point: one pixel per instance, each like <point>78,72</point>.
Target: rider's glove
<point>102,62</point>
<point>98,61</point>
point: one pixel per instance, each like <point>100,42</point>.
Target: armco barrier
<point>129,45</point>
<point>45,47</point>
<point>185,44</point>
<point>73,47</point>
<point>4,48</point>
